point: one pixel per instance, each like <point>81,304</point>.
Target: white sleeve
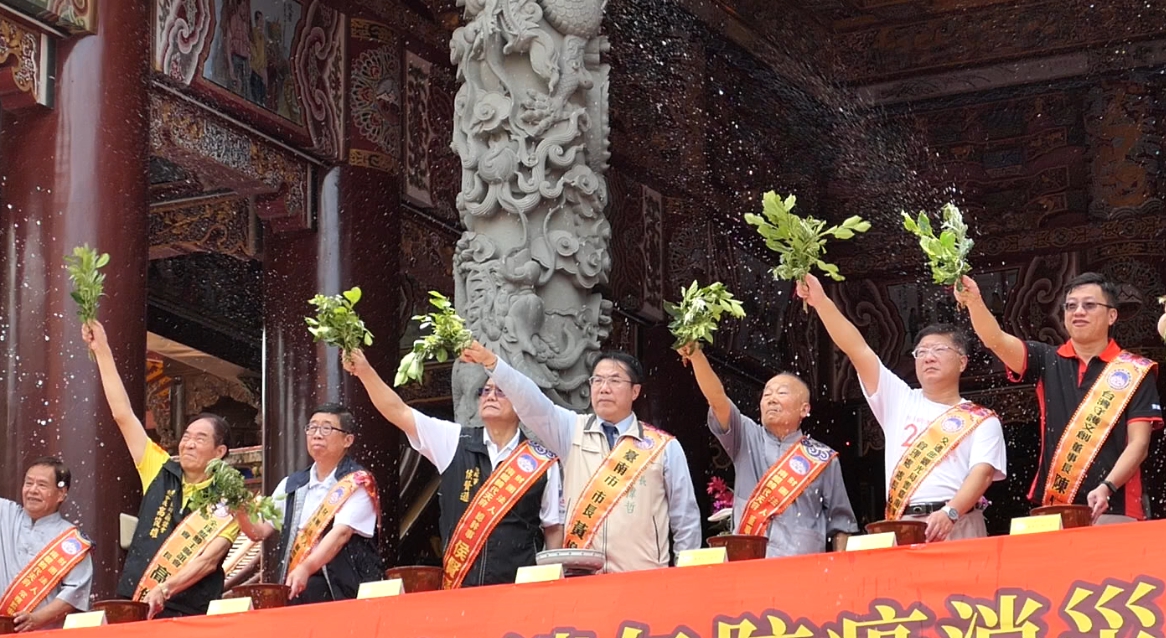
<point>988,447</point>
<point>892,393</point>
<point>358,513</point>
<point>549,512</point>
<point>436,439</point>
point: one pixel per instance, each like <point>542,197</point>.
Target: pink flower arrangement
<point>722,495</point>
<point>722,505</point>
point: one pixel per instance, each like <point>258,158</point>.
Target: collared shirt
<point>823,508</point>
<point>357,512</point>
<point>905,413</point>
<point>1062,381</point>
<point>437,441</point>
<point>554,427</point>
<point>21,540</point>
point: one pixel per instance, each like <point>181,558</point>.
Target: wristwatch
<point>951,513</point>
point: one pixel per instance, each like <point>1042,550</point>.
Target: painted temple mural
<point>251,51</point>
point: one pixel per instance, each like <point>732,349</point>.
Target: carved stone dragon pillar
<point>531,128</point>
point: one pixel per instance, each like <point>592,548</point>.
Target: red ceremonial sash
<point>505,487</point>
<point>1091,425</point>
<point>611,482</point>
<point>783,483</point>
<point>44,572</point>
<point>311,532</point>
<point>943,435</point>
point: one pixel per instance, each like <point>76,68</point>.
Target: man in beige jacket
<point>626,485</point>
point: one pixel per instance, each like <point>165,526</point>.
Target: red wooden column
<point>355,243</point>
<point>73,174</point>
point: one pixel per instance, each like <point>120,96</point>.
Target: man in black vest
<point>466,458</point>
<point>167,488</point>
<point>337,545</point>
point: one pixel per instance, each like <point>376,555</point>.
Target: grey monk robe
<point>21,540</point>
<point>821,511</point>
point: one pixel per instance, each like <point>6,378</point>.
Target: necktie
<point>611,433</point>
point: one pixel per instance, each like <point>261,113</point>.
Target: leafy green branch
<point>799,242</point>
<point>700,309</point>
<point>228,487</point>
<point>449,337</point>
<point>946,254</point>
<point>336,322</point>
<point>83,267</point>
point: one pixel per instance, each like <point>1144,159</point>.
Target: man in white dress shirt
<point>488,529</point>
<point>327,546</point>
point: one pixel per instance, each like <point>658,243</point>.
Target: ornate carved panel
<point>993,34</point>
<point>627,232</point>
<point>221,226</point>
<point>1126,149</point>
<point>319,68</point>
<point>418,133</point>
<point>375,96</point>
<point>74,16</point>
<point>652,252</point>
<point>25,80</point>
<point>226,156</point>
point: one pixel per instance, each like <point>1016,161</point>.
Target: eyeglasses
<point>939,351</point>
<point>1087,306</point>
<point>614,382</point>
<point>323,428</point>
<point>487,389</point>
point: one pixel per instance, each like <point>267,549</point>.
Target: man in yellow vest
<point>175,559</point>
<point>626,484</point>
<point>45,568</point>
<point>788,487</point>
<point>942,452</point>
<point>1098,403</point>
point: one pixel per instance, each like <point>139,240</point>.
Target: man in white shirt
<point>488,529</point>
<point>942,452</point>
<point>327,546</point>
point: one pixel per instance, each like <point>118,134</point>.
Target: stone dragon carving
<point>531,129</point>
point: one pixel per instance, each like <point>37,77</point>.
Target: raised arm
<point>1006,347</point>
<point>115,391</point>
<point>844,334</point>
<point>387,401</point>
<point>551,425</point>
<point>709,383</point>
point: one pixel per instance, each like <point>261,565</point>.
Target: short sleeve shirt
<point>904,413</point>
<point>357,512</point>
<point>1062,381</point>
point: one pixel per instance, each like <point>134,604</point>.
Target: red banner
<point>1103,582</point>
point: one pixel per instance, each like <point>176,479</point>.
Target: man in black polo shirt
<point>1098,402</point>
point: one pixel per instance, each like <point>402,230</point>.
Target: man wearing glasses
<point>499,493</point>
<point>327,544</point>
<point>1098,402</point>
<point>942,452</point>
<point>625,483</point>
